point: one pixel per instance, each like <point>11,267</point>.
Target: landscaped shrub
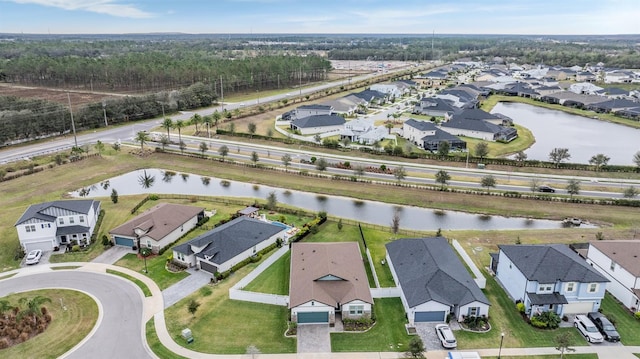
<point>637,315</point>
<point>549,320</point>
<point>537,322</point>
<point>520,306</point>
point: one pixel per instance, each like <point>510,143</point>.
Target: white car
<point>33,257</point>
<point>445,334</point>
<point>588,329</point>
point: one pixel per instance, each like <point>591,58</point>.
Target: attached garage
<point>577,308</point>
<point>313,317</point>
<point>123,241</point>
<point>42,245</point>
<point>435,316</point>
<point>208,267</point>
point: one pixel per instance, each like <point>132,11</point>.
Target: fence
<point>264,298</point>
<point>373,269</point>
<point>480,280</point>
<point>391,292</point>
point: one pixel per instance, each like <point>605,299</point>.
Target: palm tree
<point>142,137</point>
<point>167,124</point>
<point>216,118</point>
<point>195,120</point>
<point>145,180</point>
<point>34,304</point>
<point>99,147</point>
<point>179,125</point>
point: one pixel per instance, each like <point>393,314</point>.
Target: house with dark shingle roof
<point>225,246</point>
<point>433,106</point>
<point>433,282</point>
<point>549,277</point>
<point>328,278</point>
<point>470,123</point>
<point>157,227</point>
<point>619,261</point>
<point>318,124</point>
<point>426,135</point>
<point>48,225</point>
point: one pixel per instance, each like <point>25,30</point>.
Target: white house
<point>47,225</point>
<point>549,277</point>
<point>225,246</point>
<point>433,282</point>
<point>157,227</point>
<point>327,278</point>
<point>619,261</point>
<point>318,124</point>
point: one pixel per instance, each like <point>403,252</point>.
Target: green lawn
<point>156,269</point>
<point>503,317</point>
<point>275,279</point>
<point>138,282</point>
<point>388,334</point>
<point>626,324</point>
<point>498,149</point>
<point>156,346</point>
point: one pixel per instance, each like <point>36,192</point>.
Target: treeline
<point>24,119</point>
<point>153,71</point>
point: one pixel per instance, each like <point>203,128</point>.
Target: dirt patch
<point>78,98</point>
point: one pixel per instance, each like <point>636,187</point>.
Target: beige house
<point>157,227</point>
<point>328,278</point>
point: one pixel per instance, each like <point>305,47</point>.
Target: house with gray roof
<point>225,246</point>
<point>619,261</point>
<point>372,97</point>
<point>433,282</point>
<point>433,106</point>
<point>328,278</point>
<point>157,227</point>
<point>347,105</point>
<point>469,124</point>
<point>318,124</point>
<point>48,225</point>
<point>428,136</point>
<point>549,277</point>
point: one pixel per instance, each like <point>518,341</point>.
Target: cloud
<point>108,7</point>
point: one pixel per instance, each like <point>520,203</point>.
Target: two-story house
<point>549,277</point>
<point>47,225</point>
<point>619,260</point>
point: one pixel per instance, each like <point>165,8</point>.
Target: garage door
<point>208,267</point>
<point>43,246</point>
<point>313,317</point>
<point>122,241</point>
<point>429,316</point>
<point>578,308</point>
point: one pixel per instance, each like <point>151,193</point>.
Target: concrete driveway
<point>313,338</point>
<point>119,332</point>
<point>427,332</point>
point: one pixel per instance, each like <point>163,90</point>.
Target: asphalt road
<point>119,334</point>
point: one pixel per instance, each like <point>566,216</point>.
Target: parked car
<point>445,334</point>
<point>546,189</point>
<point>588,329</point>
<point>33,257</point>
<point>604,326</point>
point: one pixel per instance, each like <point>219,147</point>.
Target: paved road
<point>119,332</point>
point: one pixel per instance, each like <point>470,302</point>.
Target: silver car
<point>445,334</point>
<point>33,257</point>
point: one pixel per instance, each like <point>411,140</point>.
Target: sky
<point>543,17</point>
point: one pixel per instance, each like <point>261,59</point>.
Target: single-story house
<point>328,278</point>
<point>433,282</point>
<point>157,227</point>
<point>549,277</point>
<point>481,129</point>
<point>619,261</point>
<point>225,246</point>
<point>433,106</point>
<point>47,225</point>
<point>318,124</point>
<point>426,135</point>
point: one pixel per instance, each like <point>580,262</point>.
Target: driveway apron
<point>313,338</point>
<point>196,280</point>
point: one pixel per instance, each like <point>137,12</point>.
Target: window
<point>356,309</point>
<point>570,287</point>
<point>81,219</point>
<point>30,228</point>
<point>71,220</point>
<point>180,257</point>
<point>544,288</point>
<point>613,266</point>
<point>61,220</point>
<point>593,287</point>
<point>148,243</point>
<point>45,225</point>
<point>473,311</point>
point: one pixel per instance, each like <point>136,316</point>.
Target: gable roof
<point>230,239</point>
<point>440,136</point>
<point>420,125</point>
<point>549,263</point>
<point>49,211</point>
<point>624,252</point>
<point>319,121</point>
<point>370,95</point>
<point>339,264</point>
<point>474,125</point>
<point>314,107</point>
<point>158,221</point>
<point>429,270</point>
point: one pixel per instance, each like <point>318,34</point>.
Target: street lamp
<point>104,111</point>
<point>501,340</point>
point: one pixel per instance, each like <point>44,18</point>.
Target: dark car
<point>604,326</point>
<point>546,189</point>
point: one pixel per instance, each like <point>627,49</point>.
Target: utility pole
<point>300,85</point>
<point>221,93</point>
<point>104,111</point>
<point>73,125</point>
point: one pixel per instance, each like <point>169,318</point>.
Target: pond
<point>411,218</point>
<point>583,136</point>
